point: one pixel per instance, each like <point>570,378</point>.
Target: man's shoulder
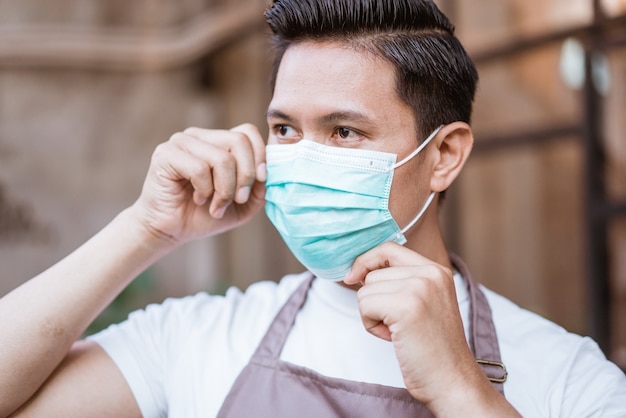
<point>552,370</point>
<point>206,313</point>
<point>280,289</point>
<point>520,329</point>
<point>263,297</point>
<point>505,311</point>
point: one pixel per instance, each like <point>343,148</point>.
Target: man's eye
<point>285,131</point>
<point>347,133</point>
<point>344,132</point>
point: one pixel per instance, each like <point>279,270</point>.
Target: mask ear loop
<point>432,194</point>
<point>418,149</point>
<point>419,215</point>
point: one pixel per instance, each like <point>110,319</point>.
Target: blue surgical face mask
<point>331,204</point>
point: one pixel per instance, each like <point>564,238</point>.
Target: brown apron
<point>270,388</point>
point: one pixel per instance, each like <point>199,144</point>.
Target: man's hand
<point>202,182</point>
<point>411,301</point>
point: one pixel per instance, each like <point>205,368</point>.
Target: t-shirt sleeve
<point>552,372</point>
<point>141,348</point>
<point>170,352</point>
<point>595,387</point>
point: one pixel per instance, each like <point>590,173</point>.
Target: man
<point>368,125</point>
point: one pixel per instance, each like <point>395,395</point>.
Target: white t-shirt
<point>181,357</point>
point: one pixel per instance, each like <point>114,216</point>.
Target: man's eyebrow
<point>345,116</point>
<point>277,114</point>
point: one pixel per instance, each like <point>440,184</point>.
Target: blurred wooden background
<point>88,88</point>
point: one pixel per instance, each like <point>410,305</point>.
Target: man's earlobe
<point>454,145</point>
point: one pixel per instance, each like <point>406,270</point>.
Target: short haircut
<point>434,74</point>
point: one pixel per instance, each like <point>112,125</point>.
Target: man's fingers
<point>245,146</point>
<point>389,254</point>
<point>373,309</point>
<point>176,165</point>
<point>258,147</point>
<point>375,302</point>
<point>220,166</point>
<point>236,158</point>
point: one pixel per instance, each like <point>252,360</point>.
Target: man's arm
<point>200,183</point>
<point>88,381</point>
<point>42,318</point>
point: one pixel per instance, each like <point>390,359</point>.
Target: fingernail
<point>198,198</point>
<point>261,172</point>
<point>219,212</point>
<point>243,194</point>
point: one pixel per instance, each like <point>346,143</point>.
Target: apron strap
<point>483,339</point>
<point>272,343</point>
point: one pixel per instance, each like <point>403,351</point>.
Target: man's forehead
<point>323,57</point>
<point>343,80</point>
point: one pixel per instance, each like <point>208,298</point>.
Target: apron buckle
<point>498,364</point>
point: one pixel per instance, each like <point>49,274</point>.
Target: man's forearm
<point>40,320</point>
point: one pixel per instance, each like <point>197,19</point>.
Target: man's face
<point>338,96</point>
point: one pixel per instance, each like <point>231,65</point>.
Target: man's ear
<point>454,144</point>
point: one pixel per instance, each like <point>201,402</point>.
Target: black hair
<point>434,73</point>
